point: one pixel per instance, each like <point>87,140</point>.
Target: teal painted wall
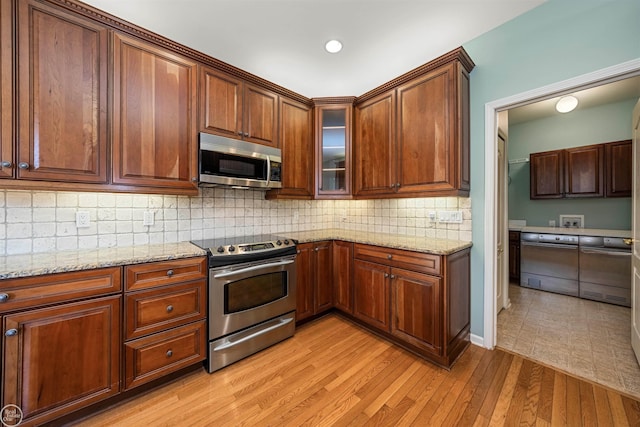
<point>606,123</point>
<point>556,41</point>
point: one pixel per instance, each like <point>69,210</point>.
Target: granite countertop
<point>12,266</point>
<point>575,231</point>
<point>397,241</point>
<point>35,264</point>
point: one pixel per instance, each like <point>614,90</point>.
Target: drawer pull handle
<point>393,276</point>
<point>169,308</point>
<point>11,333</point>
<point>169,273</point>
<point>23,165</point>
<point>4,297</point>
<point>169,353</point>
<point>389,256</point>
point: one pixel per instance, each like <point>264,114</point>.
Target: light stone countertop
<point>35,264</point>
<point>397,241</point>
<point>598,232</point>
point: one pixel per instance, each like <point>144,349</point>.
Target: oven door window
<point>254,291</point>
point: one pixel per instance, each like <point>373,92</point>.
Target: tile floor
<point>586,338</point>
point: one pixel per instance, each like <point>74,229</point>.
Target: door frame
<point>491,109</point>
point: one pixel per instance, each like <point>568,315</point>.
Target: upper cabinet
<point>154,122</point>
<point>296,143</point>
<point>589,171</point>
<point>236,109</point>
<point>619,168</point>
<point>61,95</point>
<point>6,87</point>
<point>333,149</point>
<point>413,140</point>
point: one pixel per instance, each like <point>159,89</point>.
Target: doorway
<point>492,269</point>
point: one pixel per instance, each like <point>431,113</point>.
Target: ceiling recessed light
<point>566,104</point>
<point>333,46</point>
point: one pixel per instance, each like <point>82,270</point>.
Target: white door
<point>502,273</point>
<point>635,227</point>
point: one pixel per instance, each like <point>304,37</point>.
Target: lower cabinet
<point>514,256</point>
<point>343,275</point>
<point>165,311</point>
<point>371,293</point>
<point>421,301</point>
<point>314,290</point>
<point>61,358</point>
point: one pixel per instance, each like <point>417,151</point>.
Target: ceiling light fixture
<point>566,104</point>
<point>333,46</point>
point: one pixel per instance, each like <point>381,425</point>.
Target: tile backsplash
<point>43,221</point>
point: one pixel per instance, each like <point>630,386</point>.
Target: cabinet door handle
<point>316,249</point>
<point>389,256</point>
<point>246,134</point>
<point>392,276</point>
<point>6,164</point>
<point>386,275</point>
<point>169,308</point>
<point>397,185</point>
<point>169,353</point>
<point>23,165</point>
<point>194,179</point>
<point>169,273</point>
<point>240,132</point>
<point>4,297</point>
<point>11,333</point>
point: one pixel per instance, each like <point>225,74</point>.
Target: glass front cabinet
<point>333,150</point>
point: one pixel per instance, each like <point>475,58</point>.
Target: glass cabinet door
<point>333,153</point>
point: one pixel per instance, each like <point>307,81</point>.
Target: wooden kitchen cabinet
<point>154,118</point>
<point>236,109</point>
<point>333,149</point>
<point>343,276</point>
<point>371,294</point>
<point>416,305</point>
<point>165,308</point>
<point>296,143</point>
<point>546,174</point>
<point>413,140</point>
<point>584,171</point>
<point>514,256</point>
<point>314,290</point>
<point>618,168</point>
<point>61,95</point>
<point>6,90</point>
<point>419,300</point>
<point>374,167</point>
<point>60,358</point>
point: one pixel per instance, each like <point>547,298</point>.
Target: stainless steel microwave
<point>239,164</point>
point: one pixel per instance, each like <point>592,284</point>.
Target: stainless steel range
<point>252,295</point>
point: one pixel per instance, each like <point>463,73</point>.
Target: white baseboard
<point>477,340</point>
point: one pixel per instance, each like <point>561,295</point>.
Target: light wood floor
<point>335,373</point>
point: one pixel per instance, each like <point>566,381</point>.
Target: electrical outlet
<point>432,215</point>
<point>450,216</point>
<point>148,218</point>
<point>572,221</point>
<point>83,219</point>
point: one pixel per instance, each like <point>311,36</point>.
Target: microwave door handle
<point>252,268</point>
<point>268,171</point>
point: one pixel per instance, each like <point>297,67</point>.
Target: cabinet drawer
<point>159,354</point>
<point>35,291</point>
<point>416,261</point>
<point>154,274</point>
<point>162,308</point>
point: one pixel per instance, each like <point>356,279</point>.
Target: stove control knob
<point>286,242</point>
<point>279,243</point>
<point>232,248</point>
<point>220,249</point>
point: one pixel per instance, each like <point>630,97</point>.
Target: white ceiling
<point>588,98</point>
<point>283,40</point>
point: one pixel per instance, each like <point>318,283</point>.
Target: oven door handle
<point>550,245</point>
<point>253,268</point>
<point>230,344</point>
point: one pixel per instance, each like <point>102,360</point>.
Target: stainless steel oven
<point>252,296</point>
